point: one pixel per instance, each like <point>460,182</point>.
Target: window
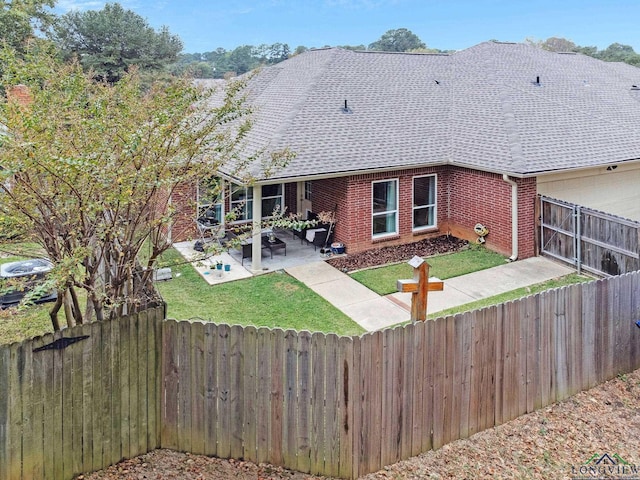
<point>210,197</point>
<point>385,207</point>
<point>424,202</point>
<point>307,190</point>
<point>242,201</point>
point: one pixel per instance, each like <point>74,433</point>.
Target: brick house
<point>406,146</point>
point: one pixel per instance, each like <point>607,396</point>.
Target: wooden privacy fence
<point>348,406</point>
<point>595,241</point>
<point>65,411</point>
<point>316,403</point>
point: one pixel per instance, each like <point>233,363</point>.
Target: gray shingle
<point>479,107</point>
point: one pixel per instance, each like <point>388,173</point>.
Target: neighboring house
<point>405,146</point>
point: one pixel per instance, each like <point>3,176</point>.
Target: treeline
<point>222,63</point>
<point>616,52</point>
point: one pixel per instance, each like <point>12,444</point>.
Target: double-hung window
<point>384,208</point>
<point>424,202</point>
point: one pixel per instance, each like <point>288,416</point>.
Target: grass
<point>276,299</point>
<point>382,280</point>
<point>570,279</point>
<point>270,300</point>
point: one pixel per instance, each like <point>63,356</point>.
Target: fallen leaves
<point>541,445</point>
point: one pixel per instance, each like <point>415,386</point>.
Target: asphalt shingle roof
<point>480,108</point>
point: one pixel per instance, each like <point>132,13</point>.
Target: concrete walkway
<point>373,312</point>
<point>365,307</point>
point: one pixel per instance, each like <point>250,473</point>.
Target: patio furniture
<point>274,243</point>
<point>207,223</point>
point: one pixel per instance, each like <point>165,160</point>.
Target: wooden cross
<point>418,286</point>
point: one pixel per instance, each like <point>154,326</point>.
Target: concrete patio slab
<point>203,267</point>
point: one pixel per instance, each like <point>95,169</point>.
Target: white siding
<point>614,191</point>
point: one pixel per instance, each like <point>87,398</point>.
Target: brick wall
<point>480,197</point>
<point>291,197</point>
<point>465,197</point>
<point>183,199</point>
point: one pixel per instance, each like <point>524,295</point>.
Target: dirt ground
<point>561,441</point>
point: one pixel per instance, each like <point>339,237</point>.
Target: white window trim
<point>397,210</point>
<point>434,205</point>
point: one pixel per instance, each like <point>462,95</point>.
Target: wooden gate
<point>588,239</point>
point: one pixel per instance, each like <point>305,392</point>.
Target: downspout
<point>514,217</point>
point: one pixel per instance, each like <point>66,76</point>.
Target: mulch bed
<point>398,253</point>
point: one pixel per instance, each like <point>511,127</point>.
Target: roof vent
<point>346,108</point>
<point>537,82</point>
<point>635,87</point>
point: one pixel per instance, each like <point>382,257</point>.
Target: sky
<point>205,25</point>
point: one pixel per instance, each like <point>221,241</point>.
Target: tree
<point>617,52</point>
<point>90,167</point>
<point>110,41</point>
<point>400,40</point>
<point>20,19</point>
<point>558,44</point>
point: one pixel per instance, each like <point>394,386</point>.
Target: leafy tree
<point>110,41</point>
<point>558,44</point>
<point>89,168</point>
<point>400,40</point>
<point>617,52</point>
<point>19,19</point>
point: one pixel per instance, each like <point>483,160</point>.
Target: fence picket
<point>249,393</point>
<point>169,433</point>
<point>224,394</point>
<point>348,355</point>
<point>289,443</point>
<point>303,451</point>
<point>277,411</point>
<point>320,403</point>
<point>448,379</point>
<point>332,420</point>
<point>439,373</point>
<point>464,331</point>
<point>197,390</point>
<point>263,400</point>
<point>416,356</point>
<point>56,400</point>
<point>236,391</point>
<point>387,418</point>
<point>211,389</point>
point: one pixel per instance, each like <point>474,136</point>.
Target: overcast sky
<point>205,25</point>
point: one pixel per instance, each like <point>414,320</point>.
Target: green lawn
<point>270,300</point>
<point>276,299</point>
<point>382,280</point>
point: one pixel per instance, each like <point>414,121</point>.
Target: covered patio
<point>293,253</point>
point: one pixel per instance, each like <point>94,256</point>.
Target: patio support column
<point>256,233</point>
